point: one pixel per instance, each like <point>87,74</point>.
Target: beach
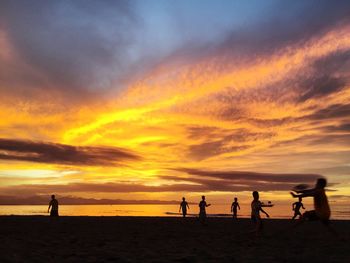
<point>167,239</point>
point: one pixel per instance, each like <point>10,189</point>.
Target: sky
<point>155,100</point>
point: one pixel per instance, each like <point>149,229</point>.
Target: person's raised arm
<point>305,193</point>
<point>207,205</point>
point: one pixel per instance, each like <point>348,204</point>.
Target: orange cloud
<point>271,113</point>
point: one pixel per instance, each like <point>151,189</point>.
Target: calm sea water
<point>278,211</point>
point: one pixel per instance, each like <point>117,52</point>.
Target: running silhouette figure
<point>54,206</point>
<point>202,213</point>
<point>296,208</point>
<point>322,210</point>
<point>183,207</point>
<point>234,206</point>
<point>256,206</point>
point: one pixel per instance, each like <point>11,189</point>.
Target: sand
<point>165,239</point>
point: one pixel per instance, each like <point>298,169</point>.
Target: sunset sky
<point>155,100</point>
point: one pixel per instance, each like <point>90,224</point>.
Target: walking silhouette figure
<point>183,207</point>
<point>234,206</point>
<point>256,206</point>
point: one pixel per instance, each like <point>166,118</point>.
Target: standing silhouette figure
<point>234,206</point>
<point>54,206</point>
<point>183,207</point>
<point>202,212</point>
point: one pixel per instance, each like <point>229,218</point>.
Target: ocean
<point>277,211</point>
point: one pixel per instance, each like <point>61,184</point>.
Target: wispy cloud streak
<point>19,150</point>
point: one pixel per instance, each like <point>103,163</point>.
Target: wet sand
<point>165,239</point>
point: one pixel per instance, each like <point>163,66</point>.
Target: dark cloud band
<point>42,152</point>
<point>244,176</point>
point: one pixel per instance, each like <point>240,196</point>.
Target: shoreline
<point>278,212</point>
<point>178,217</point>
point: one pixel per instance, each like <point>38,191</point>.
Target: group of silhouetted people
<point>256,207</point>
<point>202,209</point>
<point>321,212</point>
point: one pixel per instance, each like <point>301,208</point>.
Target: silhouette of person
<point>322,210</point>
<point>256,206</point>
<point>234,206</point>
<point>296,208</point>
<point>183,207</point>
<point>202,213</point>
<point>54,206</point>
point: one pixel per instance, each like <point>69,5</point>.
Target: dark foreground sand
<point>157,239</point>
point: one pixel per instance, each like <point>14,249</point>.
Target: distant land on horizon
<point>71,200</point>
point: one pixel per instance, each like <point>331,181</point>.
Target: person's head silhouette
<point>321,183</point>
<point>235,199</point>
<point>256,195</point>
<point>183,198</point>
<point>203,197</point>
<point>300,199</point>
<point>52,197</point>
